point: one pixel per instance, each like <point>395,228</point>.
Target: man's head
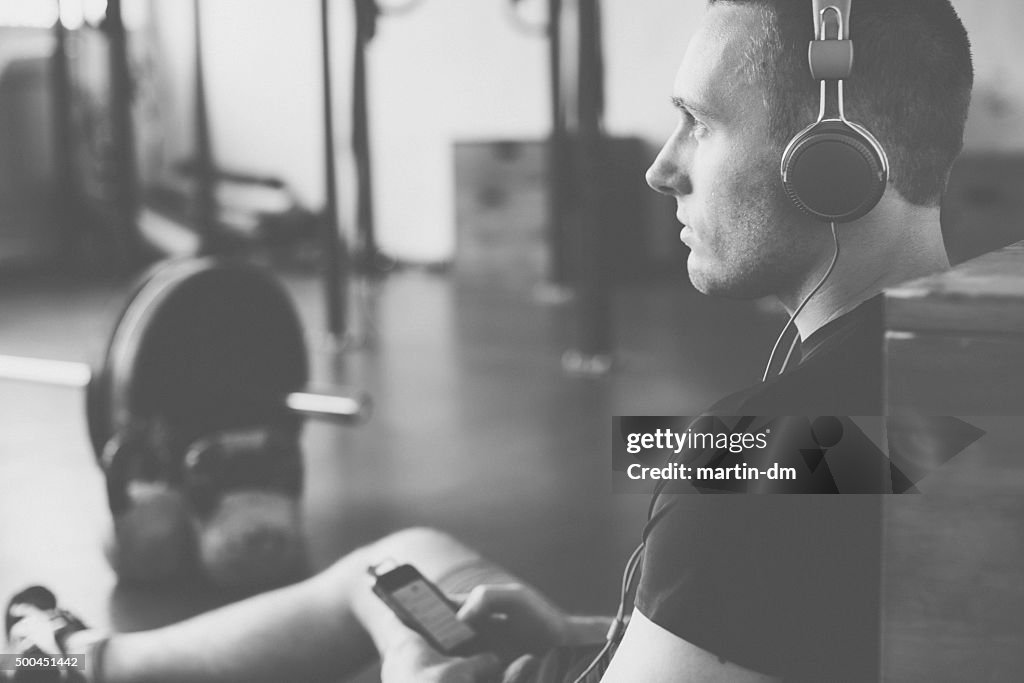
<point>744,89</point>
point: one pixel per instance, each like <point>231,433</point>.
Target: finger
<point>485,600</point>
<point>482,666</point>
<point>457,598</point>
<point>475,604</point>
<point>523,666</point>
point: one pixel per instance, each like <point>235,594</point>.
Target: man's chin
<point>709,287</point>
<point>703,278</point>
<point>715,283</point>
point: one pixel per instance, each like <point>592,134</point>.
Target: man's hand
<point>524,616</point>
<point>411,660</point>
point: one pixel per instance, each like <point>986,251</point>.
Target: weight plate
<point>203,345</point>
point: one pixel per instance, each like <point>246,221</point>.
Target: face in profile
<point>723,170</point>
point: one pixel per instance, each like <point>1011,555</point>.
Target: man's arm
<point>650,653</point>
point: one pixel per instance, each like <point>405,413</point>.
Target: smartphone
<point>421,606</point>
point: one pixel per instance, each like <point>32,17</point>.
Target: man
<point>789,585</point>
<point>733,588</point>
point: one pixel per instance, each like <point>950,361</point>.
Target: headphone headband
<point>834,170</point>
<point>841,7</point>
<point>831,59</point>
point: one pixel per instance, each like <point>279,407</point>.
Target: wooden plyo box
<point>953,555</point>
<point>502,213</point>
<point>955,341</point>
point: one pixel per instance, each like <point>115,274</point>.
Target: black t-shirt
<point>840,372</point>
<point>787,585</point>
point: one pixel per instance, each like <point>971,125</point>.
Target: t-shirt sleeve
<point>783,585</point>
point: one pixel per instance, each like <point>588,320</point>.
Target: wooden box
<point>502,214</point>
<point>953,556</point>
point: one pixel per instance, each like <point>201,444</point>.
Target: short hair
<point>911,84</point>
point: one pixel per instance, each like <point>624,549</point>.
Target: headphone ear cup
<point>834,172</point>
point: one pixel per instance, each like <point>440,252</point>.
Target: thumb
<point>483,600</point>
<point>473,605</point>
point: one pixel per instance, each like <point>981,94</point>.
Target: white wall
<point>456,69</point>
<point>450,70</point>
<point>262,64</point>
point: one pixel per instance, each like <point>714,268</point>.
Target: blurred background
<point>448,81</point>
<point>454,245</point>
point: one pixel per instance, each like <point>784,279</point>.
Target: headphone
<point>834,169</point>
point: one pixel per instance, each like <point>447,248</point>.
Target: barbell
<point>205,345</point>
<point>69,374</point>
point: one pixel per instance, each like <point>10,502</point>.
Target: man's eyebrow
<point>680,103</point>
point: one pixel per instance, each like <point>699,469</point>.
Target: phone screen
<point>436,617</point>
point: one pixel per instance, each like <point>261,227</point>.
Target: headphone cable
<point>800,308</point>
<point>653,517</point>
<point>789,354</point>
<point>618,624</point>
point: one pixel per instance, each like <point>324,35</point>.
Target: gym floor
<point>476,430</point>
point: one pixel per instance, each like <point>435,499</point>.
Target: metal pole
<point>122,132</point>
<point>204,200</point>
<point>592,354</point>
<point>336,262</point>
<point>558,266</point>
<point>67,192</point>
<point>367,13</point>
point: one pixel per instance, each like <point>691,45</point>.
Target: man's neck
<point>873,256</point>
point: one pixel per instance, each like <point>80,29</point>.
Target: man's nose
<point>666,175</point>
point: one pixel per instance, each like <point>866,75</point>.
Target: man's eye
<point>695,126</point>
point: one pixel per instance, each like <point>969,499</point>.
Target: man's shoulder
<point>842,376</point>
<point>817,388</point>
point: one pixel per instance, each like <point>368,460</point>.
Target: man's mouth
<point>686,231</point>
